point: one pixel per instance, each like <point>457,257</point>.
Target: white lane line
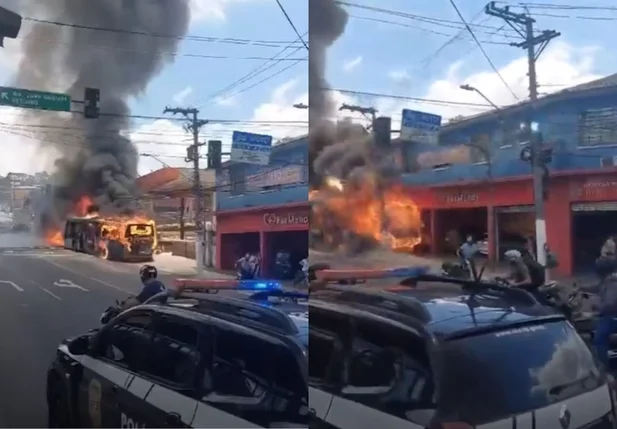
<point>50,293</point>
<point>8,282</point>
<point>70,270</point>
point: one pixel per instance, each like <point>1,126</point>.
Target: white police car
<point>195,359</point>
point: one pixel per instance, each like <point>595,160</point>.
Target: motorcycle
<point>111,312</point>
<point>570,305</point>
<point>457,270</point>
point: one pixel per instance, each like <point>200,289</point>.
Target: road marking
<point>51,293</point>
<point>69,284</point>
<point>8,282</point>
<point>70,270</point>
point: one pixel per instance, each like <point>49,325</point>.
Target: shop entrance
<point>515,227</point>
<point>456,224</point>
<point>592,223</point>
<point>234,246</point>
<point>294,242</point>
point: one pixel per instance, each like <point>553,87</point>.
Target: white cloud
<point>212,10</point>
<point>560,66</point>
<point>181,96</point>
<point>399,76</point>
<point>352,64</point>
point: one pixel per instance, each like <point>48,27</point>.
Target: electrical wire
<point>460,15</point>
<point>265,66</point>
<point>428,30</point>
<point>261,43</point>
<point>164,54</point>
<point>291,24</point>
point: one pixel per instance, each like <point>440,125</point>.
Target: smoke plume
<point>96,156</point>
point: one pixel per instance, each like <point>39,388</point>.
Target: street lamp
<point>301,106</point>
<point>466,87</point>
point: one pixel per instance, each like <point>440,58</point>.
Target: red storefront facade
<point>264,230</point>
<point>569,194</point>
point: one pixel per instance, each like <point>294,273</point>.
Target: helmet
<point>513,255</point>
<point>148,272</point>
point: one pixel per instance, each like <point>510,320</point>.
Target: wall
<point>293,217</point>
<point>283,181</point>
<point>560,123</point>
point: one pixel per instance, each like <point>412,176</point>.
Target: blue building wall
<point>284,180</point>
<point>582,131</point>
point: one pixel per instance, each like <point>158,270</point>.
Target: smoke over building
<point>135,40</point>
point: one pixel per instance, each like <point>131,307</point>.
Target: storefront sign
<point>462,198</point>
<point>455,155</point>
<point>272,219</point>
<point>594,189</point>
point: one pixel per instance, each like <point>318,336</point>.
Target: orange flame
<point>389,216</point>
<point>113,228</point>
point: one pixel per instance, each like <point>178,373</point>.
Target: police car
<point>413,356</point>
<point>192,357</point>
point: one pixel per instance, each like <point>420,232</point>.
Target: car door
<point>118,352</point>
<point>167,386</point>
<point>387,381</point>
<point>254,381</point>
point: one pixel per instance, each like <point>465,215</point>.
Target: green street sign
<point>24,98</point>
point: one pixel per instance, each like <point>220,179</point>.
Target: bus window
<point>69,229</point>
<point>140,231</point>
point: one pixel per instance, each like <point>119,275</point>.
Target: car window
<point>388,369</point>
<point>246,366</point>
<point>174,352</point>
<point>328,333</point>
<point>126,341</point>
<point>522,369</point>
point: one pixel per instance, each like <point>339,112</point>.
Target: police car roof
<point>443,312</point>
<point>241,301</point>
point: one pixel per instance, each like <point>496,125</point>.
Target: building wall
<point>571,126</point>
<point>284,181</point>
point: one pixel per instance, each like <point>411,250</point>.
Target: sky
<point>413,50</point>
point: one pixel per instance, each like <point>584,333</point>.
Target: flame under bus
<point>113,239</point>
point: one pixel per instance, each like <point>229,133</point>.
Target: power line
<point>428,30</point>
<point>291,23</point>
<point>261,43</point>
<point>458,12</point>
<point>262,68</point>
<point>165,54</point>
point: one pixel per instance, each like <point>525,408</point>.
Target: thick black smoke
<point>96,156</point>
<point>327,22</point>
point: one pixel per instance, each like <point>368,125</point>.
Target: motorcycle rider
<point>151,286</point>
<point>519,272</point>
<point>466,252</point>
<point>606,323</point>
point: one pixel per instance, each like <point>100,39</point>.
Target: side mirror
<point>80,345</point>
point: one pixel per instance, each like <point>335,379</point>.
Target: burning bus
<point>113,238</point>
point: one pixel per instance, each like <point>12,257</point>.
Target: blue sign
<point>250,148</point>
<point>420,127</point>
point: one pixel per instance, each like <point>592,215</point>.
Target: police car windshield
<point>508,372</point>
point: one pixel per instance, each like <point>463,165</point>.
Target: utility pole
<point>194,126</point>
<point>523,25</point>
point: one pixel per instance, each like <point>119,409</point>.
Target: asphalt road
<point>47,295</point>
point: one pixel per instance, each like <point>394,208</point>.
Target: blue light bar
<point>259,285</point>
<point>409,272</point>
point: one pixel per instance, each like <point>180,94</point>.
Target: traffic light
<point>10,24</point>
<point>215,153</point>
<point>92,103</point>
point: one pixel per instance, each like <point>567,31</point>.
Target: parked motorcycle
<point>456,270</point>
<point>111,312</point>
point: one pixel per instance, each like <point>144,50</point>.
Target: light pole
<point>466,87</point>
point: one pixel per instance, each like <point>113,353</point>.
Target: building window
<point>598,127</point>
<point>480,148</point>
